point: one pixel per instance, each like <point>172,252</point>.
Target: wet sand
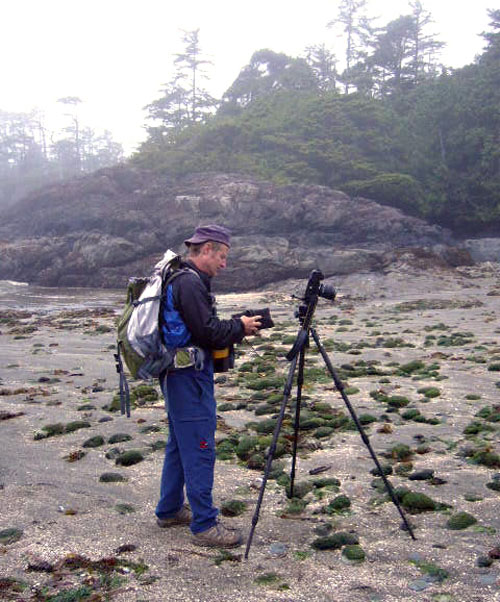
<point>57,368</point>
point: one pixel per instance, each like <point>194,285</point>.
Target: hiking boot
<point>183,517</point>
<point>218,536</point>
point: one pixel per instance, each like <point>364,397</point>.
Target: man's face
<point>214,259</point>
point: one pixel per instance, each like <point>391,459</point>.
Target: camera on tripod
<point>314,288</point>
<point>296,356</point>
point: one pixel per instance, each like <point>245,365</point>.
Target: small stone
<point>323,529</point>
<point>437,481</point>
<point>126,547</point>
<point>484,561</point>
<point>113,453</point>
<point>278,550</point>
<point>422,475</point>
<point>321,469</point>
<point>418,585</point>
<point>488,579</point>
<point>495,553</point>
<point>112,477</point>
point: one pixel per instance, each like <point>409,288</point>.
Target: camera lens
<point>327,292</point>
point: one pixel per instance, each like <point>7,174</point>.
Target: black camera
<point>265,321</point>
<point>315,288</point>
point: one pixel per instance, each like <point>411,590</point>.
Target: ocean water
<point>20,295</point>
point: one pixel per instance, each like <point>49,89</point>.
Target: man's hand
<point>251,325</point>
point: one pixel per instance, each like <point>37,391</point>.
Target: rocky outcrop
<point>483,249</point>
<point>100,229</point>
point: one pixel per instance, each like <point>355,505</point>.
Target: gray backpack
<point>139,340</point>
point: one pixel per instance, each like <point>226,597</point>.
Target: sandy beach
<point>419,352</point>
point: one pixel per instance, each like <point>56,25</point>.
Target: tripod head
<point>314,290</point>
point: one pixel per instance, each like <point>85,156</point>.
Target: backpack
<point>140,343</point>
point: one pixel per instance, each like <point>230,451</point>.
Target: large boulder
<point>100,229</point>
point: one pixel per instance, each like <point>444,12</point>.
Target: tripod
<point>296,355</point>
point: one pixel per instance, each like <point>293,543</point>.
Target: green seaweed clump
<point>476,426</point>
<point>300,489</point>
<point>123,508</point>
<point>487,458</point>
<point>295,506</point>
<point>329,482</point>
<point>225,449</point>
<point>429,392</point>
<point>119,437</point>
<point>335,541</point>
<point>76,425</point>
<point>461,520</point>
<point>397,401</point>
<point>96,441</point>
<point>129,458</point>
<point>246,447</point>
<point>10,535</point>
<point>338,504</point>
<point>323,431</point>
<point>354,553</point>
<point>52,430</point>
<point>233,508</point>
<point>400,452</point>
<point>418,502</point>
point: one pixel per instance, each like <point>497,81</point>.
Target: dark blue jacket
<point>196,306</point>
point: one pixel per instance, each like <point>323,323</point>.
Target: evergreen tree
<point>184,102</point>
<point>425,47</point>
<point>323,64</point>
<point>72,145</point>
<point>357,33</point>
<point>266,73</point>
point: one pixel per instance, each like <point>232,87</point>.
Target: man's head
<point>208,248</point>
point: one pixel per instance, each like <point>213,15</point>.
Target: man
<point>189,392</point>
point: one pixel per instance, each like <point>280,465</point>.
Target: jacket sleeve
<point>193,301</point>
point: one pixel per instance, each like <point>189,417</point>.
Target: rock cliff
<point>100,229</point>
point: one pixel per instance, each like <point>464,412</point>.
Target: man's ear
<point>207,248</point>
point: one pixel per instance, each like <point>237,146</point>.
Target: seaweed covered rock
<point>129,458</point>
<point>418,502</point>
<point>335,541</point>
<point>460,520</point>
<point>354,553</point>
<point>233,508</point>
<point>338,504</point>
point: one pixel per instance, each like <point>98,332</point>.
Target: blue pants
<point>190,450</point>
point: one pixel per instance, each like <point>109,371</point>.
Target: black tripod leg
<point>300,382</point>
<point>364,437</point>
<point>272,449</point>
